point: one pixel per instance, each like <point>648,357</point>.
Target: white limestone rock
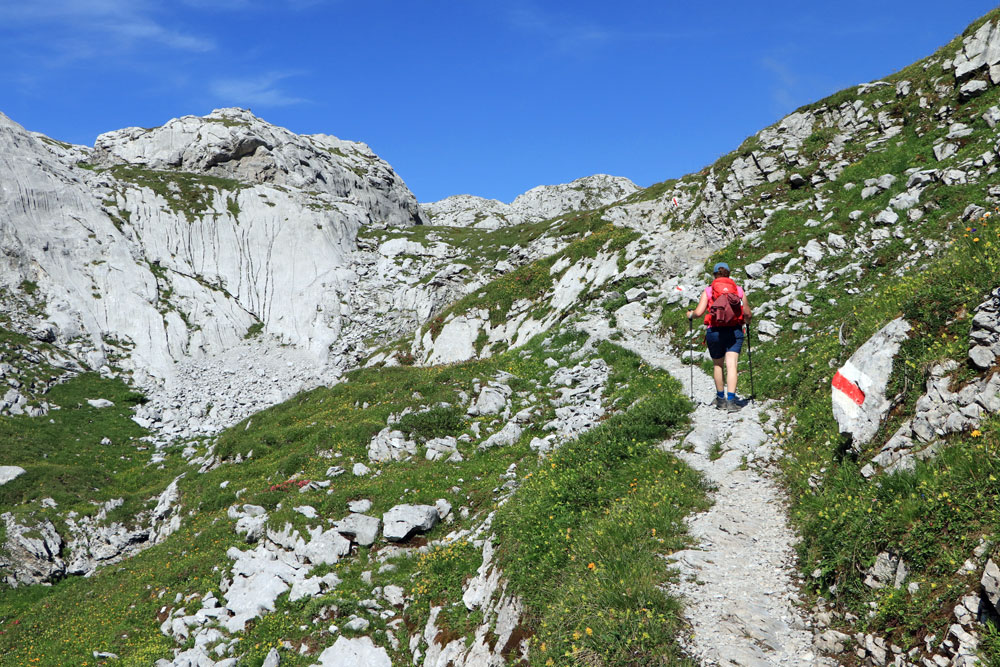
<point>443,448</point>
<point>858,395</point>
<point>505,437</point>
<point>359,506</point>
<point>981,50</point>
<point>492,399</point>
<point>390,445</point>
<point>402,521</point>
<point>234,143</point>
<point>10,473</point>
<point>354,652</point>
<point>632,317</point>
<point>31,553</point>
<point>361,528</point>
<point>991,583</point>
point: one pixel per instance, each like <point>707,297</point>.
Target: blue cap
<point>720,265</point>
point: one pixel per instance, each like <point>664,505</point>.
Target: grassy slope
<point>116,610</point>
<point>934,517</point>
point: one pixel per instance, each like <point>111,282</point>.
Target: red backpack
<point>726,309</point>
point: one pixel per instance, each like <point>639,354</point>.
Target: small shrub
<point>434,423</point>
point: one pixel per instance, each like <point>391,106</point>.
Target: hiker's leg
<point>732,360</point>
<point>716,350</point>
<point>717,372</point>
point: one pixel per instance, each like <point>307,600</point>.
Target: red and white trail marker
<point>846,390</point>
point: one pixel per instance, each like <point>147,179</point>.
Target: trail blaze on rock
<point>851,390</point>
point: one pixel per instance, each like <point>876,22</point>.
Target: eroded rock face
<point>502,612</point>
<point>158,257</point>
<point>33,553</point>
<point>859,401</point>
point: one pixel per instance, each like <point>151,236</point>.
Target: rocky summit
<point>259,406</point>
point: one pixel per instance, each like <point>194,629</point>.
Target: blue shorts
<point>723,339</point>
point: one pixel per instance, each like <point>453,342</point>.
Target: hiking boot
<point>732,406</point>
<point>720,403</point>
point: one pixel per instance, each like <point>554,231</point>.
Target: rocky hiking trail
<point>737,581</point>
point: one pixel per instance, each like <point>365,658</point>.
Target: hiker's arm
<point>700,310</point>
<point>746,308</point>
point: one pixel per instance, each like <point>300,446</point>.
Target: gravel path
<point>737,582</point>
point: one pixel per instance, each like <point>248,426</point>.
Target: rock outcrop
<point>539,203</point>
<point>176,243</point>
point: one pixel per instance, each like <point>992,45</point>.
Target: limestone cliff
<point>179,242</point>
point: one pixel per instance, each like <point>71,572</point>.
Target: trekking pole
<point>753,396</point>
<point>691,356</point>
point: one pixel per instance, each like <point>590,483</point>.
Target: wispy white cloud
<point>569,33</point>
<point>784,84</point>
<point>261,91</point>
<point>66,30</point>
<point>563,33</point>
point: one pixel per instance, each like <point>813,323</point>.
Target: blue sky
<point>486,98</point>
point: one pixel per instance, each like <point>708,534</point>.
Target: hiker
<point>727,310</point>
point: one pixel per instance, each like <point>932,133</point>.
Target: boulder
<point>858,394</point>
<point>944,151</point>
<point>394,595</point>
<point>906,200</point>
<point>390,445</point>
<point>635,294</point>
<point>980,50</point>
<point>361,528</point>
<point>831,641</point>
<point>973,88</point>
<point>768,327</point>
<point>10,473</point>
<point>492,399</point>
<point>886,217</point>
<point>505,437</point>
<point>402,521</point>
<point>888,570</point>
<point>812,250</point>
<point>354,652</point>
<point>991,583</point>
<point>443,448</point>
<point>324,547</point>
<point>982,357</point>
<point>273,658</point>
<point>258,579</point>
<point>359,506</point>
<point>251,527</point>
<point>992,117</point>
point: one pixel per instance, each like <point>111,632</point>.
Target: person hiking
<point>727,310</point>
